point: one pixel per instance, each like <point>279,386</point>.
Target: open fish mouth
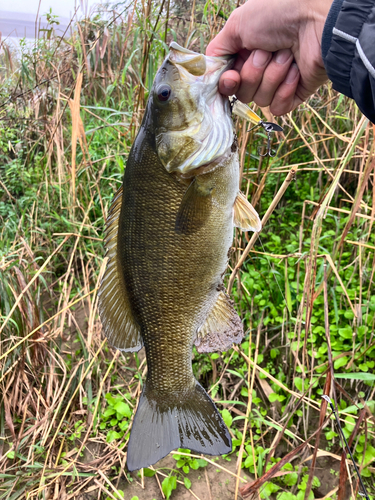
<point>207,131</point>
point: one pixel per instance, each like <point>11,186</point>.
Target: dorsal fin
<point>119,325</point>
<point>245,216</point>
<point>222,327</point>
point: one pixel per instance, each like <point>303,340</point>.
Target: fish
<point>168,237</point>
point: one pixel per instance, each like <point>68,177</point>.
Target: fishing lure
<point>243,110</point>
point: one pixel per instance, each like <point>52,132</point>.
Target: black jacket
<point>348,50</point>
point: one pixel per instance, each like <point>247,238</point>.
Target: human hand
<point>278,47</point>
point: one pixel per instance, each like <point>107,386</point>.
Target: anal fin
<point>116,316</point>
<point>245,216</point>
<point>222,328</point>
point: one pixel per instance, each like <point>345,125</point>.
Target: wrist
<point>317,11</point>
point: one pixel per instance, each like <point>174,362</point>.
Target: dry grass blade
<point>24,291</point>
<point>77,128</point>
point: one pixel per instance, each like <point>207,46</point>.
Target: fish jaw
<point>195,127</point>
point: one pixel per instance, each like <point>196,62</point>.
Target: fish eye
<point>164,93</point>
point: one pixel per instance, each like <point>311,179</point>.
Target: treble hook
<point>242,110</point>
<point>269,127</point>
<point>269,151</point>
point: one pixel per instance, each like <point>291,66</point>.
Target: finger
<point>285,98</point>
<point>231,80</point>
<point>273,76</point>
<point>252,73</point>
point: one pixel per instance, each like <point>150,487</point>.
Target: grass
<point>70,108</point>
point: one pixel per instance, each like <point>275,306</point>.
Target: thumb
<point>228,40</point>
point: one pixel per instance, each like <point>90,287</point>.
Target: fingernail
<point>292,73</point>
<point>229,84</point>
<point>282,56</point>
<point>260,58</point>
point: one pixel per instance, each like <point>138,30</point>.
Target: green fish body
<point>169,232</point>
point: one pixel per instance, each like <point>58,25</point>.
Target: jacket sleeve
<point>348,50</point>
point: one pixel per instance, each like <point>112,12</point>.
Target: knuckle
<point>281,105</point>
<point>273,78</point>
<point>262,101</point>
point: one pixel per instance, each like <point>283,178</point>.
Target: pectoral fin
<point>245,216</point>
<point>222,328</point>
<point>118,322</point>
<point>194,209</point>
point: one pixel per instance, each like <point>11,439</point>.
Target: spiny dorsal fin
<point>221,328</point>
<point>119,326</point>
<point>245,215</point>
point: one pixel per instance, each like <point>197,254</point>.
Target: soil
<point>208,483</point>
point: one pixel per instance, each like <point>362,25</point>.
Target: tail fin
<point>193,422</point>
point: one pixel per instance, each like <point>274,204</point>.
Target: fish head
<point>191,119</point>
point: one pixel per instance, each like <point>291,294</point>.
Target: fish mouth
<point>199,66</point>
<point>208,132</point>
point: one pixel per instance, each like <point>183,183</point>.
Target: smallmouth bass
<point>168,234</point>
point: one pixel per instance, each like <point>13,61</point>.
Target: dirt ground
<point>208,483</point>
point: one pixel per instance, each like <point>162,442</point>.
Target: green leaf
<point>148,472</point>
<point>112,435</point>
<point>108,412</point>
<point>273,397</point>
<point>194,464</point>
<point>369,455</point>
<point>315,482</point>
<point>368,377</point>
<point>286,495</point>
<point>168,485</point>
<point>291,479</point>
<point>330,435</point>
<point>123,409</point>
<point>110,399</point>
<point>186,469</point>
<point>202,462</point>
<point>11,454</point>
<point>268,489</point>
<point>298,383</point>
<point>187,483</point>
<point>274,353</point>
<point>340,362</point>
<point>227,417</point>
<point>124,425</point>
<point>346,333</point>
